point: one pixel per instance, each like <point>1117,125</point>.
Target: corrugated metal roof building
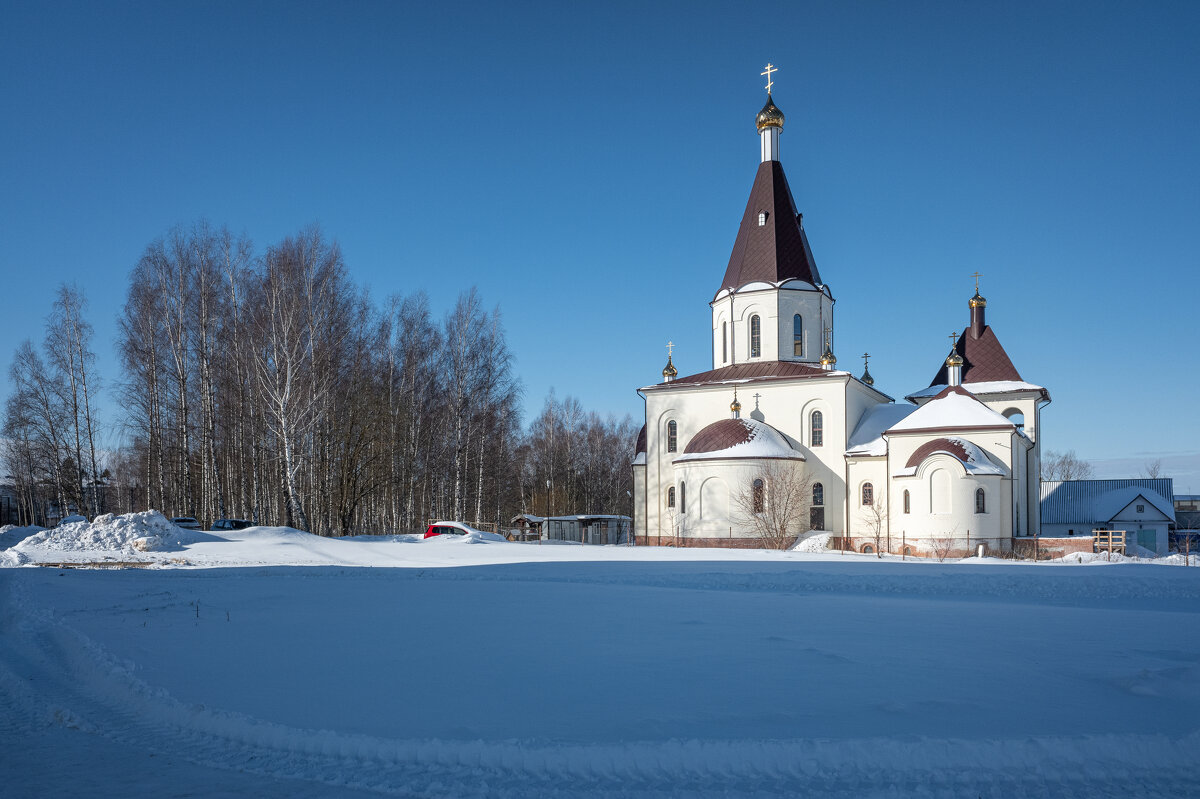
<point>1137,505</point>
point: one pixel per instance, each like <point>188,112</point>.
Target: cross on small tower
<point>828,330</point>
<point>756,396</point>
<point>953,341</point>
<point>976,276</point>
<point>866,356</point>
<point>768,72</point>
<point>670,347</point>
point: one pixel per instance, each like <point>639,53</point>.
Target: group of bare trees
<point>574,461</point>
<point>271,388</point>
<point>50,427</point>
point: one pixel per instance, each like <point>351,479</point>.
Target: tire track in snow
<point>52,674</point>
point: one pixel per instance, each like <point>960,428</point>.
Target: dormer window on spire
<point>762,218</point>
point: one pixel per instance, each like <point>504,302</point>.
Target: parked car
<point>231,524</point>
<point>186,522</point>
<point>450,528</point>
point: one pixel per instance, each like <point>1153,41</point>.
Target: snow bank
<point>11,535</point>
<point>147,531</point>
<point>818,542</point>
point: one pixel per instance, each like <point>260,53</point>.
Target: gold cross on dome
<point>977,276</point>
<point>670,347</point>
<point>866,359</point>
<point>828,330</point>
<point>954,341</point>
<point>768,72</point>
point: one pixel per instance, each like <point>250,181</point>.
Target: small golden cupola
<point>954,364</point>
<point>669,371</point>
<point>769,117</point>
<point>866,377</point>
<point>828,361</point>
<point>977,305</point>
<point>735,407</point>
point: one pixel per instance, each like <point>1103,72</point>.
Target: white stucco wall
<point>786,405</point>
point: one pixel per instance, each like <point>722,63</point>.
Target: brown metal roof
<point>777,250</point>
<point>983,360</point>
<point>954,448</point>
<point>640,447</point>
<point>720,436</point>
<point>763,370</point>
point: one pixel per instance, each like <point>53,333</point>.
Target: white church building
<point>953,466</point>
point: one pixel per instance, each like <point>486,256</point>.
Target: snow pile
<point>10,559</point>
<point>74,517</point>
<point>146,531</point>
<point>817,542</point>
<point>11,535</point>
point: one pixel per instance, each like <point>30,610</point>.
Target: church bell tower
<point>772,304</point>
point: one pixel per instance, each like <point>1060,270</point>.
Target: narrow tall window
<point>671,497</point>
<point>980,501</point>
<point>868,494</point>
<point>818,429</point>
<point>724,342</point>
<point>755,337</point>
<point>818,494</point>
<point>797,336</point>
<point>672,437</point>
<point>762,218</point>
<point>759,490</point>
<point>907,502</point>
<point>683,498</point>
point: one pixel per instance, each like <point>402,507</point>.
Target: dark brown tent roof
<point>748,371</point>
<point>984,360</point>
<point>777,250</point>
<point>640,447</point>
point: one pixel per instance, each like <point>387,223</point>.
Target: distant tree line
<point>270,387</point>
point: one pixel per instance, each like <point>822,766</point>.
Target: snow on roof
<point>983,387</point>
<point>738,438</point>
<point>969,454</point>
<point>639,459</point>
<point>867,438</point>
<point>953,408</point>
<point>1098,501</point>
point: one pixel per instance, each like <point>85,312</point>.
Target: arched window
<point>724,342</point>
<point>683,497</point>
<point>671,497</point>
<point>868,494</point>
<point>817,438</point>
<point>907,502</point>
<point>755,337</point>
<point>818,494</point>
<point>759,492</point>
<point>672,436</point>
<point>980,501</point>
<point>797,335</point>
<point>868,549</point>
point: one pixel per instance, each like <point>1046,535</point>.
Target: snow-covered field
<point>466,667</point>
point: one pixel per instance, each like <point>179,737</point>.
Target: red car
<point>448,528</point>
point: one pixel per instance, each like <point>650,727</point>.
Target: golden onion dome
<point>669,371</point>
<point>866,378</point>
<point>769,117</point>
<point>978,301</point>
<point>735,406</point>
<point>954,359</point>
<point>828,359</point>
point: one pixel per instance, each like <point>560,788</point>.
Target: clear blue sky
<point>586,168</point>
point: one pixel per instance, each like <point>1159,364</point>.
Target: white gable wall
<point>786,405</point>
